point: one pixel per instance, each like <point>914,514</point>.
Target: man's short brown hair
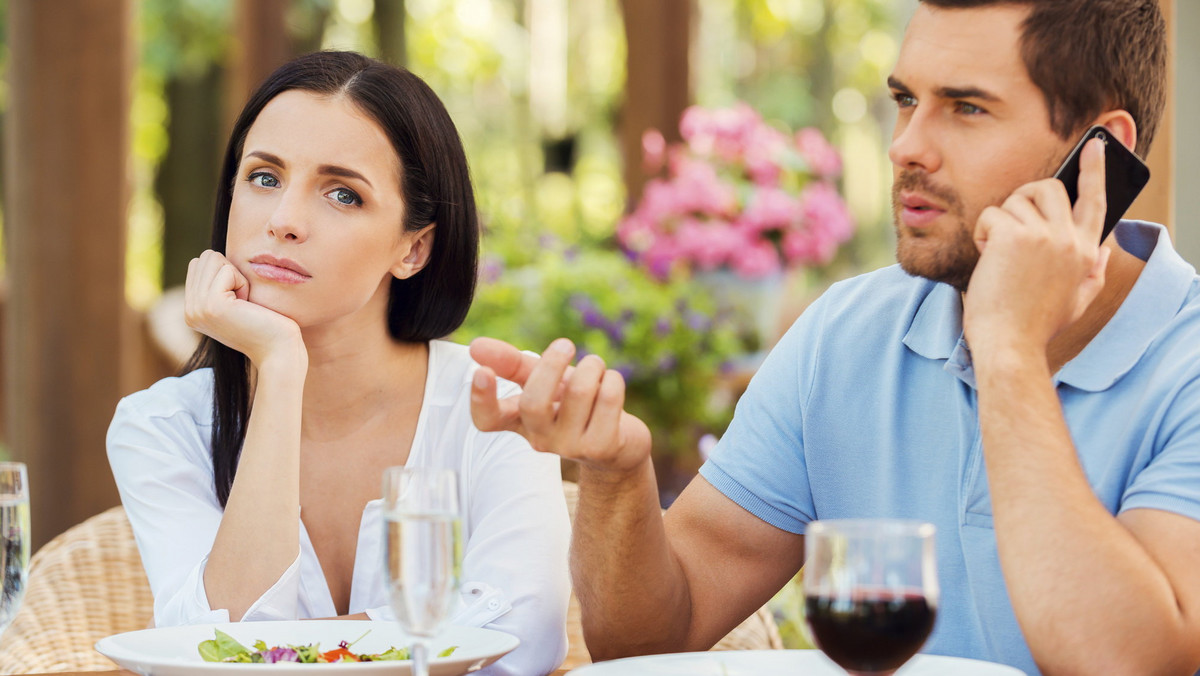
<point>1089,56</point>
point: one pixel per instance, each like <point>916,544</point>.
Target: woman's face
<point>315,223</point>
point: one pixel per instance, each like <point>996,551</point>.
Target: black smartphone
<point>1124,175</point>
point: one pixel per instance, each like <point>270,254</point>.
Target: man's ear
<point>416,253</point>
<point>1122,126</point>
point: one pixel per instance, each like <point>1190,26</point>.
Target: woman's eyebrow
<point>329,169</point>
<point>273,159</point>
<point>334,170</point>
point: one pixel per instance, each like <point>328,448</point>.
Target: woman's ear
<point>1122,126</point>
<point>415,256</point>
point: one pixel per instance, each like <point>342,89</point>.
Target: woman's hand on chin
<point>215,302</point>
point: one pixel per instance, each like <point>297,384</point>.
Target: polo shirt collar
<point>1155,299</point>
<point>1159,292</point>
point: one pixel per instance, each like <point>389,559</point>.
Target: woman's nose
<point>288,221</point>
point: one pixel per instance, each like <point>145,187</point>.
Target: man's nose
<point>915,145</point>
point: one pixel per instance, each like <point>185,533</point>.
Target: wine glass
<point>870,591</point>
<point>14,539</point>
<point>423,551</point>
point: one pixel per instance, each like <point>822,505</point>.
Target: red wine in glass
<point>870,591</point>
<point>870,631</point>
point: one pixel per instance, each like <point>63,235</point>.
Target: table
<point>122,672</point>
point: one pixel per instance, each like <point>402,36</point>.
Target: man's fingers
<point>579,396</point>
<point>606,416</point>
<point>542,390</point>
<point>1092,204</point>
<point>488,412</point>
<point>503,359</point>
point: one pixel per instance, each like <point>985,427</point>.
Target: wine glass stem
<point>420,657</point>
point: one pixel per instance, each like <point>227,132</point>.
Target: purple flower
<point>697,321</point>
<point>662,327</point>
<point>626,370</point>
<point>491,269</point>
<point>667,363</point>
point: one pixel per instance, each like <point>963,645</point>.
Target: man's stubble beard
<point>950,262</point>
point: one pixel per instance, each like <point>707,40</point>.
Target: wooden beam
<point>67,127</point>
<point>1157,201</point>
<point>657,84</point>
<point>261,44</point>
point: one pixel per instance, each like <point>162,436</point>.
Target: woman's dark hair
<point>435,186</point>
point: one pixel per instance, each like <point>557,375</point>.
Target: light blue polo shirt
<point>867,408</point>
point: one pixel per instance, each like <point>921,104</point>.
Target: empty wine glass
<point>14,538</point>
<point>870,591</point>
<point>423,551</point>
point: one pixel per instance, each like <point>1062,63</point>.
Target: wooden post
<point>67,127</point>
<point>1157,201</point>
<point>261,44</point>
<point>657,85</point>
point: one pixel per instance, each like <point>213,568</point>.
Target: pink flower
<point>770,209</point>
<point>708,244</point>
<point>662,256</point>
<point>698,189</point>
<point>827,224</point>
<point>654,151</point>
<point>755,258</point>
<point>723,132</point>
<point>820,155</point>
<point>765,147</point>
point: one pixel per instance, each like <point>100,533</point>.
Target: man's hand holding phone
<point>1040,263</point>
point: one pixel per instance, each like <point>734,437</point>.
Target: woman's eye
<point>345,196</point>
<point>263,180</point>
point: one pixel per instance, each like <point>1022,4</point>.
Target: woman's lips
<point>277,273</point>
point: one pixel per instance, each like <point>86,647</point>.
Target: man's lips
<point>918,212</point>
<point>276,269</point>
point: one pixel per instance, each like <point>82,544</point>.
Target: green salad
<point>225,648</point>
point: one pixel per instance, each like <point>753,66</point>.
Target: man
<point>1034,395</point>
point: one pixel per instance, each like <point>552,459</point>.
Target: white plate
<point>173,651</point>
<point>771,662</point>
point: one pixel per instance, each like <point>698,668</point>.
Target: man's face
<point>972,128</point>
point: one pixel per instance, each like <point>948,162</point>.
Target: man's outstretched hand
<point>574,412</point>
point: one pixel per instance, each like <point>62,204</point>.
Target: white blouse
<point>515,521</point>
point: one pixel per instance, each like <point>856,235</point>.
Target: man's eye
<point>346,196</point>
<point>969,108</point>
<point>263,180</point>
<point>904,100</point>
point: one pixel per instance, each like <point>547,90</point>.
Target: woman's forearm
<point>259,536</point>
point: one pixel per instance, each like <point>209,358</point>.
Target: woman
<point>344,244</point>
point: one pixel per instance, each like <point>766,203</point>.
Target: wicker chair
<point>85,584</point>
<point>757,632</point>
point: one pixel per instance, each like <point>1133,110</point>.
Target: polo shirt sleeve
<point>1171,480</point>
<point>157,454</point>
<point>759,461</point>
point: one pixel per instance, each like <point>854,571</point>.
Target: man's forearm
<point>1088,597</point>
<point>631,590</point>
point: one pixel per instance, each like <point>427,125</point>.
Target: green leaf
<point>448,651</point>
<point>228,644</point>
<point>390,655</point>
<point>307,654</point>
<point>221,648</point>
<point>209,652</point>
